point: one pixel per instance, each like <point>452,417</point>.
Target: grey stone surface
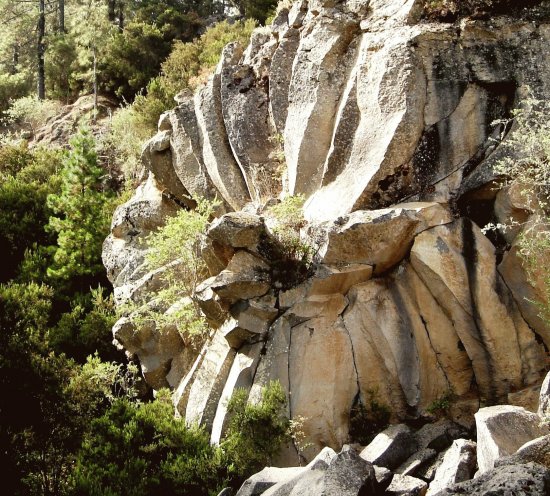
<point>528,479</point>
<point>391,447</point>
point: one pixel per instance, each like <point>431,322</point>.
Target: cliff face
<point>387,125</point>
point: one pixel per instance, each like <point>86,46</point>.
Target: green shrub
<point>13,87</point>
<point>256,432</point>
<point>31,112</point>
<point>175,248</point>
<point>292,260</point>
<point>141,450</point>
<point>441,405</point>
<point>82,214</point>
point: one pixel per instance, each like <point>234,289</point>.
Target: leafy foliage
<point>27,179</point>
<point>292,261</point>
<point>176,249</point>
<point>256,432</point>
<point>140,449</point>
<point>527,162</point>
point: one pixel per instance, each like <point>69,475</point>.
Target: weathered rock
<point>318,393</point>
<point>349,475</point>
<point>527,479</point>
<point>235,335</point>
<point>216,255</point>
<point>245,277</point>
<point>200,402</point>
<point>404,485</point>
<point>536,451</point>
<point>185,147</point>
<point>245,113</point>
<point>544,399</point>
<point>330,306</point>
<point>319,73</point>
<point>457,264</point>
<point>501,430</point>
<point>123,253</point>
<point>383,477</point>
<point>380,238</point>
<point>427,472</point>
<point>512,208</point>
<point>458,465</point>
<point>238,230</point>
<point>391,447</point>
<point>274,362</point>
<point>268,477</point>
<point>416,461</point>
<point>527,398</point>
<point>369,151</point>
<point>218,158</point>
<point>160,351</point>
<point>439,435</point>
<point>279,78</point>
<point>240,376</point>
<point>345,474</point>
<point>311,477</point>
<point>157,158</point>
<point>405,346</point>
<point>326,280</point>
<point>525,292</point>
<point>255,315</point>
<point>210,304</point>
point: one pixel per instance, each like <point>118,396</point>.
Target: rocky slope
<point>387,124</point>
<point>512,454</point>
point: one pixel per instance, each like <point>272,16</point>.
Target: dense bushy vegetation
<point>74,417</point>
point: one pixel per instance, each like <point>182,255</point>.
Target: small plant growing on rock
<point>440,406</point>
<point>175,249</point>
<point>293,261</point>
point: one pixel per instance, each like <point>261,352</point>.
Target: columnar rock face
<point>384,121</point>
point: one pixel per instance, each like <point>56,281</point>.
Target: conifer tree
<point>80,223</point>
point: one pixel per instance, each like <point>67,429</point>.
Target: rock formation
<point>387,124</point>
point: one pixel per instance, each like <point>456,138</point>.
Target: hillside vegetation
<point>75,418</point>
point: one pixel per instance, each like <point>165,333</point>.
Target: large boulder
<point>536,451</point>
<point>268,477</point>
<point>391,447</point>
<point>380,238</point>
<point>405,485</point>
<point>529,479</point>
<point>502,430</point>
<point>345,474</point>
<point>458,465</point>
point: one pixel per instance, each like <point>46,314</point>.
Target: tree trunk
<point>95,83</point>
<point>121,16</point>
<point>111,5</point>
<point>61,15</point>
<point>15,59</point>
<point>41,49</point>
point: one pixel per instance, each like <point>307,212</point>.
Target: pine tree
<point>81,222</point>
